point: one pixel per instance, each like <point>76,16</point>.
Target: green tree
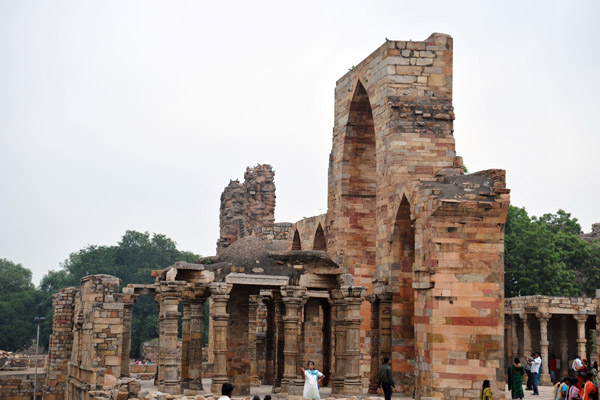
<point>132,260</point>
<point>545,256</point>
<point>18,306</point>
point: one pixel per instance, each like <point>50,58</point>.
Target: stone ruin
<point>405,229</point>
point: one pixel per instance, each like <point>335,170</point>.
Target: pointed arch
<point>403,300</point>
<point>319,242</point>
<point>359,187</point>
<point>296,243</point>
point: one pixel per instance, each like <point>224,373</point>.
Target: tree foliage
<point>132,260</point>
<point>18,306</point>
<point>545,256</point>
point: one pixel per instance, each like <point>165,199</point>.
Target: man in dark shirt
<point>386,382</point>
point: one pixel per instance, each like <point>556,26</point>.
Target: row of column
<point>543,318</point>
<point>288,301</point>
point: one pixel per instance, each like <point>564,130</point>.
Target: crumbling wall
<point>61,343</point>
<point>98,335</point>
<point>249,209</point>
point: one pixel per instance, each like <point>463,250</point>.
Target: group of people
<point>583,386</point>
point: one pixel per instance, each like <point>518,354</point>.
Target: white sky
<point>119,115</point>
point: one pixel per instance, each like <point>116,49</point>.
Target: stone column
<point>564,346</point>
<point>279,344</point>
<point>219,297</point>
<point>385,325</point>
<point>526,335</point>
<point>184,378</point>
<point>129,300</point>
<point>581,340</point>
<point>168,340</point>
<point>253,303</point>
<point>339,326</point>
<point>374,334</point>
<point>543,318</point>
<point>292,298</point>
<point>196,343</point>
<point>352,380</point>
<point>269,344</point>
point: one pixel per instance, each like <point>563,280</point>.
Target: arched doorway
<point>319,243</point>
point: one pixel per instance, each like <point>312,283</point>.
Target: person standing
<point>226,391</point>
<point>552,368</point>
<point>561,389</point>
<point>535,363</point>
<point>486,391</point>
<point>528,372</point>
<point>588,387</point>
<point>311,383</point>
<point>573,390</point>
<point>516,372</point>
<point>386,382</point>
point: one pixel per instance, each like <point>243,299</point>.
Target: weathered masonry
<point>405,229</point>
<point>425,240</point>
<point>560,326</point>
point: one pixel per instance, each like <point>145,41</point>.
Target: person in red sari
<point>588,386</point>
<point>581,372</point>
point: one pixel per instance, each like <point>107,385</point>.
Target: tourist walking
<point>595,373</point>
<point>515,379</point>
<point>386,382</point>
<point>552,369</point>
<point>311,383</point>
<point>486,391</point>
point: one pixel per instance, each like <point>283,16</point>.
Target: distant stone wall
<point>308,234</point>
<point>593,235</point>
<point>20,386</point>
<point>249,209</point>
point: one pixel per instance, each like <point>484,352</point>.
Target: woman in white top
<point>311,384</point>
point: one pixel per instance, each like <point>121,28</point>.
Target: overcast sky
<point>119,115</point>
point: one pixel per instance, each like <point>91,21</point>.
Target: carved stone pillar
<point>385,326</point>
<point>269,344</point>
<point>129,300</point>
<point>339,326</point>
<point>292,299</point>
<point>374,334</point>
<point>352,380</point>
<point>543,318</point>
<point>581,340</point>
<point>279,343</point>
<point>564,346</point>
<point>196,343</point>
<point>219,297</point>
<point>526,335</point>
<point>167,353</point>
<point>184,379</point>
<point>252,323</point>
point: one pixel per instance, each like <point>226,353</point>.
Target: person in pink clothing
<point>573,390</point>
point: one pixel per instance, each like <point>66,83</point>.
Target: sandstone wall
<point>19,386</point>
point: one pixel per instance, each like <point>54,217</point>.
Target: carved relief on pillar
<point>254,301</point>
<point>219,298</point>
<point>352,380</point>
<point>167,354</point>
<point>581,337</point>
<point>196,342</point>
<point>339,325</point>
<point>543,319</point>
<point>374,334</point>
<point>526,334</point>
<point>292,297</point>
<point>185,345</point>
